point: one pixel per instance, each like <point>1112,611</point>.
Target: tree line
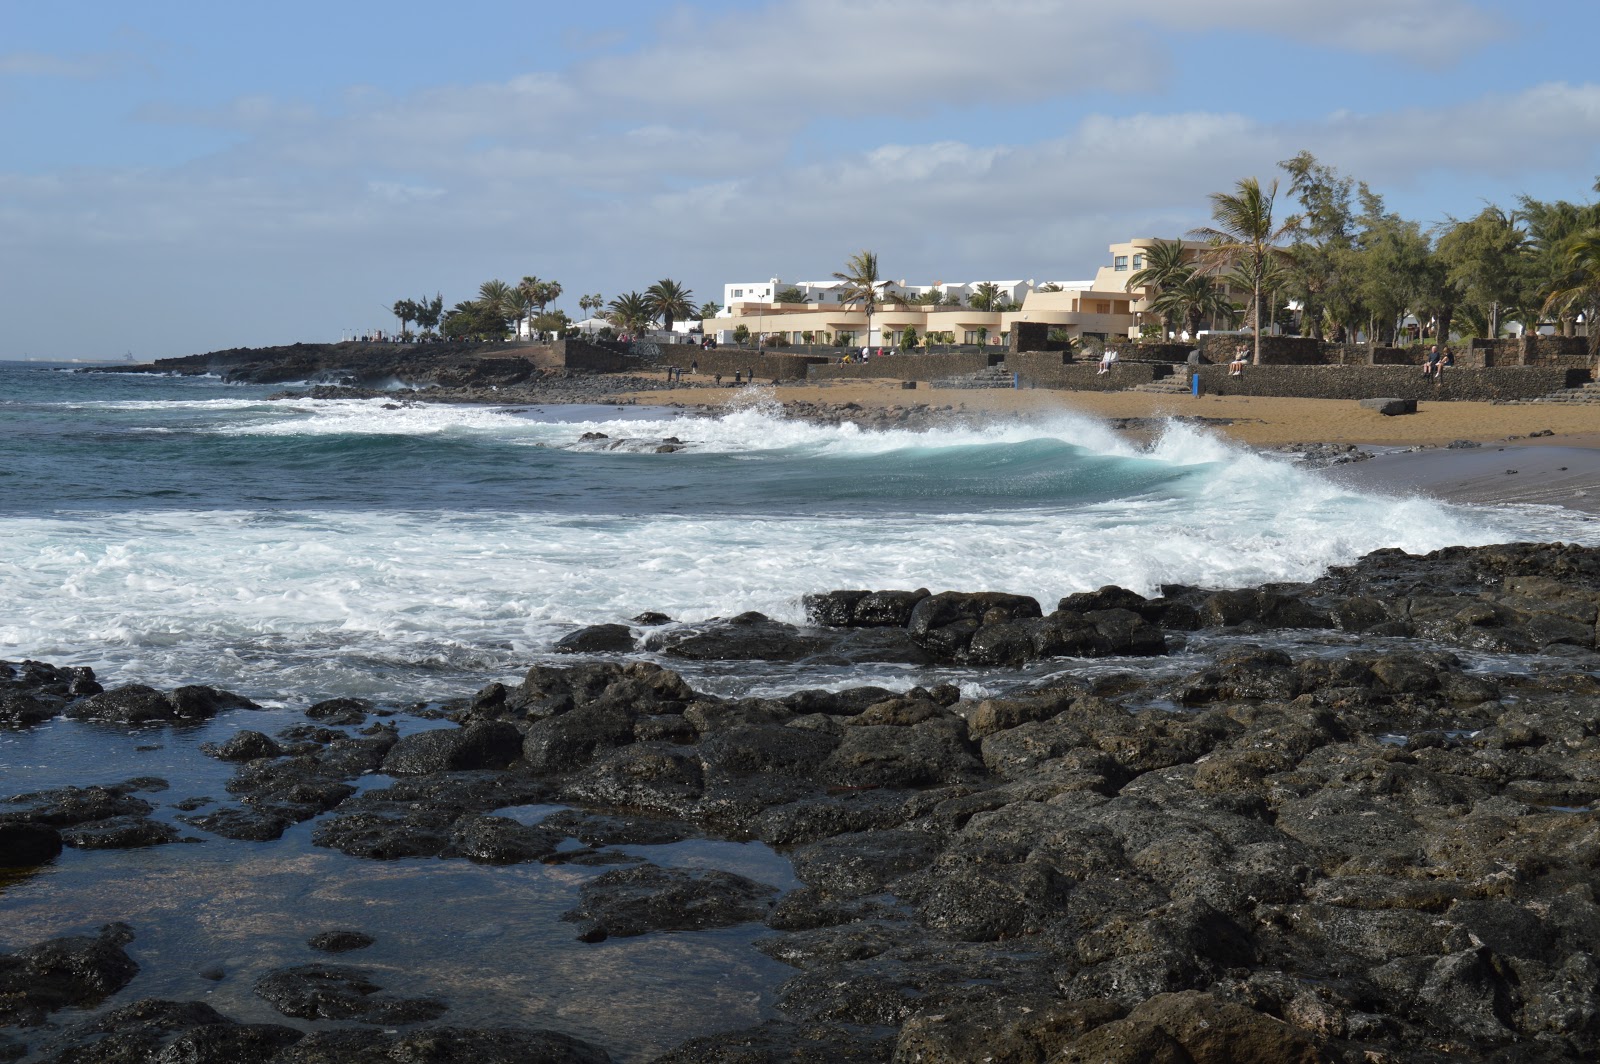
<point>501,310</point>
<point>1344,265</point>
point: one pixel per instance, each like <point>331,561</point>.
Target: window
<point>738,293</point>
<point>1102,307</point>
<point>1138,262</point>
<point>1121,263</point>
<point>971,337</point>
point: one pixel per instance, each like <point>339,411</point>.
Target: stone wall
<point>728,361</point>
<point>1400,382</point>
<point>1172,354</point>
<point>1034,336</point>
<point>1046,369</point>
<point>909,367</point>
<point>1275,350</point>
<point>1570,352</point>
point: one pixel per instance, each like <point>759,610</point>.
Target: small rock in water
<point>340,941</point>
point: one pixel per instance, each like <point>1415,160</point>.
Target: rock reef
<point>1217,845</point>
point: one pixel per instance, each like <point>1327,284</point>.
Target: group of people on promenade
<point>1436,361</point>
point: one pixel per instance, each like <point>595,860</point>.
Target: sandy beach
<point>1411,451</point>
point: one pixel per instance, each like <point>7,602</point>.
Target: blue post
<point>1194,384</point>
<point>1016,381</point>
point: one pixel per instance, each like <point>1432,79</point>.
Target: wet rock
<point>636,901</point>
<point>776,1041</point>
<point>572,739</point>
<point>501,840</point>
<point>340,941</point>
<point>338,992</point>
<point>862,863</point>
<point>189,1031</point>
<point>72,972</point>
<point>119,833</point>
<point>487,744</point>
<point>64,806</point>
<point>387,836</point>
<point>244,823</point>
<point>138,704</point>
<point>597,639</point>
<point>747,637</point>
<point>342,712</point>
<point>946,608</point>
<point>442,1045</point>
<point>24,845</point>
<point>934,751</point>
<point>29,707</point>
<point>245,746</point>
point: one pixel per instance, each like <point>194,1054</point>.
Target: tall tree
<point>709,309</point>
<point>985,296</point>
<point>1486,257</point>
<point>1194,299</point>
<point>1245,233</point>
<point>429,311</point>
<point>861,284</point>
<point>1165,265</point>
<point>632,313</point>
<point>1580,285</point>
<point>591,303</point>
<point>406,311</point>
<point>1320,232</point>
<point>670,302</point>
<point>494,297</point>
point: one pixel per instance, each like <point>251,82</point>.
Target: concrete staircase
<point>1177,384</point>
<point>1586,395</point>
<point>993,377</point>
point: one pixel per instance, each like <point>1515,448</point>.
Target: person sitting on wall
<point>1241,359</point>
<point>1430,364</point>
<point>1108,359</point>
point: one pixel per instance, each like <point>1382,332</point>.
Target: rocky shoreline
<point>1376,850</point>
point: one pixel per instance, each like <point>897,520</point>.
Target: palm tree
<point>987,296</point>
<point>1164,267</point>
<point>591,303</point>
<point>1579,287</point>
<point>495,298</point>
<point>1245,234</point>
<point>708,309</point>
<point>862,286</point>
<point>406,311</point>
<point>1196,298</point>
<point>669,301</point>
<point>631,313</point>
<point>518,307</point>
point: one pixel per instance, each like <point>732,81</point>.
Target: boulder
<point>339,992</point>
<point>485,744</point>
<point>597,639</point>
<point>1390,407</point>
<point>636,901</point>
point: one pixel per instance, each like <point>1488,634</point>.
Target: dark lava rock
<point>747,637</point>
<point>173,1031</point>
<point>119,833</point>
<point>776,1041</point>
<point>652,619</point>
<point>76,805</point>
<point>340,711</point>
<point>338,992</point>
<point>442,1045</point>
<point>77,971</point>
<point>488,744</point>
<point>636,901</point>
<point>340,941</point>
<point>501,840</point>
<point>26,845</point>
<point>597,639</point>
<point>245,746</point>
<point>386,836</point>
<point>39,678</point>
<point>862,609</point>
<point>985,607</point>
<point>29,707</point>
<point>244,823</point>
<point>138,704</point>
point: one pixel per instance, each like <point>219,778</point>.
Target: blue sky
<point>182,177</point>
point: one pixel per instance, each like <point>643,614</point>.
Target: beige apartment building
<point>1102,307</point>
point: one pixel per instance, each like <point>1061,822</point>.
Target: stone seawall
<point>909,367</point>
<point>728,361</point>
<point>1045,369</point>
<point>1400,382</point>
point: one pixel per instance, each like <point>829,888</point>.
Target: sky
<point>180,177</point>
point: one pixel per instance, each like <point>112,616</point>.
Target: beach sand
<point>1411,450</point>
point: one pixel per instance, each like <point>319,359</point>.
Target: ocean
<point>176,530</point>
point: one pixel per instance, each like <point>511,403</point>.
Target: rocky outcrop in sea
<point>1215,845</point>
